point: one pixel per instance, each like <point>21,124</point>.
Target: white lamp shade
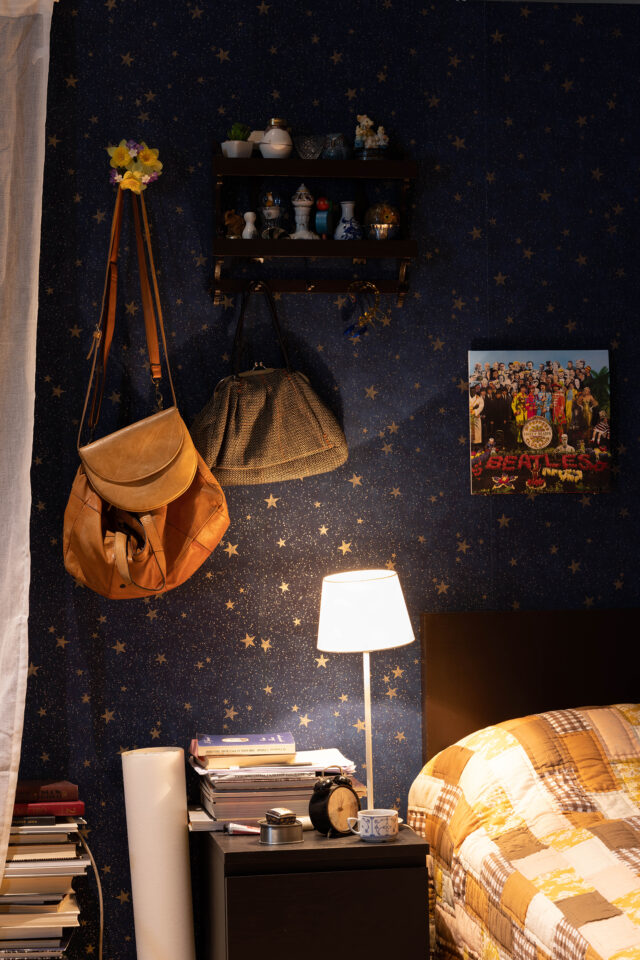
<point>363,610</point>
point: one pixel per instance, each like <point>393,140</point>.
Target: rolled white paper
<point>156,808</point>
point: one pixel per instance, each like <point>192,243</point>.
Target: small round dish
<point>274,833</point>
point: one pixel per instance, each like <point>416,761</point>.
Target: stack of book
<point>38,908</point>
<point>241,777</point>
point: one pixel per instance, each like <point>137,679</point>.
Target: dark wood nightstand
<point>312,899</point>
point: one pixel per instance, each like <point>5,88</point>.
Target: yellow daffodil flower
<point>148,159</point>
<point>132,180</point>
<point>120,156</point>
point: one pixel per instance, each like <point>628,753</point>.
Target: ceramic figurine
<point>369,142</point>
<point>234,222</point>
<point>250,231</point>
<point>302,202</point>
<point>324,218</point>
<point>335,147</point>
<point>348,228</point>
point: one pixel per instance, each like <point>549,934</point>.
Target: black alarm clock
<point>332,801</point>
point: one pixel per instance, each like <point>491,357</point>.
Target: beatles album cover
<point>539,421</point>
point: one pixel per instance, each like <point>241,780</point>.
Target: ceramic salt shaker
<point>250,231</point>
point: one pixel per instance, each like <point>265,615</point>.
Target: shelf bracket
<point>217,273</point>
<point>403,281</point>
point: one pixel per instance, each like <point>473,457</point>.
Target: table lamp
<point>362,611</point>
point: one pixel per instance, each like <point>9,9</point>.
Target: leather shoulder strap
<point>156,292</point>
<point>258,286</point>
<point>103,335</point>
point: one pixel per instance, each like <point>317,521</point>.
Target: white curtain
<point>24,65</point>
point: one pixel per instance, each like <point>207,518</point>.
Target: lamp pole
<point>366,669</point>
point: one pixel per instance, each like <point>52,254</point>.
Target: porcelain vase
<point>348,228</point>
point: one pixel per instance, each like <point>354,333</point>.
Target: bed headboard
<point>483,667</point>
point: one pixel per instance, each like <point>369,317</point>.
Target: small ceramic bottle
<point>250,231</point>
<point>348,228</point>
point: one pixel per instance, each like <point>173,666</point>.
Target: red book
<point>35,791</point>
<point>72,808</point>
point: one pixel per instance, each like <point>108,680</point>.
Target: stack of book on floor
<point>241,777</point>
<point>38,908</point>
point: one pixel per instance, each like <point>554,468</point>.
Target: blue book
<point>248,744</point>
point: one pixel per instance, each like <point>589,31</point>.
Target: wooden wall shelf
<point>355,249</point>
<point>403,250</point>
<point>317,169</point>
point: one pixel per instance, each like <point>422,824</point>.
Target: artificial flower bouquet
<point>135,165</point>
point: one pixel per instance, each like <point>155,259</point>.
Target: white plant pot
<point>236,148</point>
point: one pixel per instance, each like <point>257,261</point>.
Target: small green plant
<point>239,131</point>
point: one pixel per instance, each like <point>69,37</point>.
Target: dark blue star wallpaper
<point>523,119</point>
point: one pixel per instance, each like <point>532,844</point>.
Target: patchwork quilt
<point>534,833</point>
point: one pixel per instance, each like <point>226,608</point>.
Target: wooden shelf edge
<point>317,169</point>
<point>335,249</point>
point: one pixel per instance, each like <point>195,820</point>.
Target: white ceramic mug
<point>375,826</point>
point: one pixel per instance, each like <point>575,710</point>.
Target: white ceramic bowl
<point>236,148</point>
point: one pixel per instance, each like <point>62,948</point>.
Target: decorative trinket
<point>273,215</point>
<point>348,228</point>
<point>250,231</point>
<point>234,222</point>
<point>369,144</point>
<point>382,222</point>
<point>302,202</point>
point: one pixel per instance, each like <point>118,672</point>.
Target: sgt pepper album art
<point>539,421</point>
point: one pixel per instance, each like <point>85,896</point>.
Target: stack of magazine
<point>38,908</point>
<point>243,776</point>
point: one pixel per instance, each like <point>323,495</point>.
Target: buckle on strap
<point>95,342</point>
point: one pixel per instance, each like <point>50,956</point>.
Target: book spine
<point>58,792</point>
<point>249,750</point>
<point>44,820</point>
<point>75,808</point>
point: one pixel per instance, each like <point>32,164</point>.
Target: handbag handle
<point>103,334</point>
<point>122,552</point>
<point>256,286</point>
